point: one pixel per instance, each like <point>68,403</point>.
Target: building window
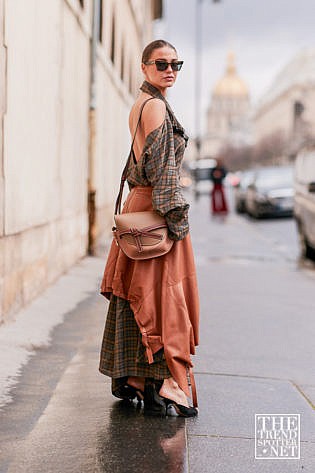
<point>100,24</point>
<point>298,109</point>
<point>113,45</point>
<point>130,78</point>
<point>122,63</point>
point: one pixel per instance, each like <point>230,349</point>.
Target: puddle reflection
<point>134,443</point>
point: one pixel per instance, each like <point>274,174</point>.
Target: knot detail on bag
<point>137,234</point>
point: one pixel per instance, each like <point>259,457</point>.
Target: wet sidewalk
<point>256,357</point>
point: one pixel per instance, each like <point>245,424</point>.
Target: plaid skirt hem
<point>122,352</point>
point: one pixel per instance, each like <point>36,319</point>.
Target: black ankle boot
<point>154,405</point>
<point>181,411</point>
<point>127,393</point>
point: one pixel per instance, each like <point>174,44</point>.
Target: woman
<point>152,323</point>
<point>218,201</point>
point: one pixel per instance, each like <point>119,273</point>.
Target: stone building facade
<point>287,109</point>
<point>51,151</point>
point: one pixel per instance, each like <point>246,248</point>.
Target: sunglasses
<point>163,65</point>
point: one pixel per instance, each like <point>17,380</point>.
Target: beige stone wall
<point>308,97</point>
<point>274,116</point>
<point>45,141</point>
<point>2,110</point>
<point>278,114</point>
<point>44,107</point>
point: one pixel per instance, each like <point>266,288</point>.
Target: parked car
<point>271,192</point>
<point>200,171</point>
<point>304,201</point>
<point>245,178</point>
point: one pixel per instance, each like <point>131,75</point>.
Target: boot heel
<point>154,405</point>
<point>182,411</point>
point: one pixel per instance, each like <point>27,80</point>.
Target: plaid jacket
<point>159,167</point>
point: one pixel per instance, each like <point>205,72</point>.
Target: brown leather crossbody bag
<point>140,235</point>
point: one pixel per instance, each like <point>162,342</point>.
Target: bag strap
<point>124,173</point>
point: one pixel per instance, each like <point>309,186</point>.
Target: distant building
<point>61,151</point>
<point>288,107</point>
<point>228,117</point>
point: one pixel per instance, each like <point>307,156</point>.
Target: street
<point>256,356</point>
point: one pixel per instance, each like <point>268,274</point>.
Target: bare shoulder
<point>153,115</point>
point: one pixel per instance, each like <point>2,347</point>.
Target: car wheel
<point>239,209</point>
<point>255,214</point>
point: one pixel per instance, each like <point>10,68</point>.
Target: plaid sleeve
<point>162,172</point>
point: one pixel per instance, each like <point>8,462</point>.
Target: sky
<point>263,34</point>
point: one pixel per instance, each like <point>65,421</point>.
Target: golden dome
<point>230,84</point>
